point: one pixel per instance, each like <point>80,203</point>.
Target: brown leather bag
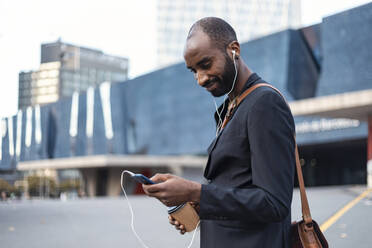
<point>305,233</point>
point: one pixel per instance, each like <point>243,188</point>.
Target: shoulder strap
<point>304,202</point>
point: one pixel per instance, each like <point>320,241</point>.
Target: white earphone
<point>220,122</point>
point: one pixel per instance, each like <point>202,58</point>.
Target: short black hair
<point>219,31</point>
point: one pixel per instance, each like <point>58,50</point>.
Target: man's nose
<point>202,78</point>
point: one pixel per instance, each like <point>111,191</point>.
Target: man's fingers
<point>158,192</point>
<point>183,229</point>
<point>180,227</point>
<point>175,222</point>
<point>177,225</point>
<point>172,220</point>
<point>153,188</point>
<point>194,204</point>
<point>145,189</point>
<point>160,177</point>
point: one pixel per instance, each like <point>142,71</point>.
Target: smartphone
<point>141,178</point>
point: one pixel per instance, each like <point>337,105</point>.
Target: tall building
<point>66,68</point>
<point>250,19</point>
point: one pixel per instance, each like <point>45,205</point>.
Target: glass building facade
<point>250,19</point>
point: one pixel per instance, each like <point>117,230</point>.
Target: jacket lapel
<point>210,149</point>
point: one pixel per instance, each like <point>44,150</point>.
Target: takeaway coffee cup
<point>186,215</point>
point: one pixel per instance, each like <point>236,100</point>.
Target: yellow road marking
<point>343,210</point>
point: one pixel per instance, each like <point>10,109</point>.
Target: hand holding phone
<point>140,178</point>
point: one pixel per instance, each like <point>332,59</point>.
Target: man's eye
<point>192,70</point>
<point>206,66</point>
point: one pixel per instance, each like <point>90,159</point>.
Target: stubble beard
<point>225,83</point>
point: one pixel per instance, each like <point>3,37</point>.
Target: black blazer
<point>250,170</point>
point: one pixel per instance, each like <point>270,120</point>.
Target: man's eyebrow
<point>204,60</point>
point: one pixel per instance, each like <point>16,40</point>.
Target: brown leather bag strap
<point>235,104</point>
<point>304,202</point>
<point>306,215</point>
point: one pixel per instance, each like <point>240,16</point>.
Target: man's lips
<point>211,84</point>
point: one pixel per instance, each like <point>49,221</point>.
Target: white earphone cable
<point>132,215</point>
<point>131,210</point>
<point>220,122</point>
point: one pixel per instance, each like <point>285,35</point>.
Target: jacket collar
<point>253,78</point>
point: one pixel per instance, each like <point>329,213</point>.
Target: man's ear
<point>234,46</point>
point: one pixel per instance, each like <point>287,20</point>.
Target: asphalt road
<point>105,222</point>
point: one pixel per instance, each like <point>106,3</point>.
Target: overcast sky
<point>124,28</point>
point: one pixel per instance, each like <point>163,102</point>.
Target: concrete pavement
<point>105,222</point>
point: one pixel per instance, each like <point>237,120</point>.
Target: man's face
<point>212,68</point>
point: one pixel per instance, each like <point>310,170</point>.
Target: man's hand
<point>178,225</point>
<point>172,190</point>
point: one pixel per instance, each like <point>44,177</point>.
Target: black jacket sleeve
<point>270,128</point>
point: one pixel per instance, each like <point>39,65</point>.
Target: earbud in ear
<point>234,56</point>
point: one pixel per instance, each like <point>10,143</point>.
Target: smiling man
<point>251,162</point>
